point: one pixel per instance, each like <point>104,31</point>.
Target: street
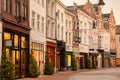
<point>107,74</point>
<point>85,74</point>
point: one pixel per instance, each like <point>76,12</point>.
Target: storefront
<point>93,60</point>
<point>60,57</point>
<point>107,59</point>
<point>17,47</point>
<point>38,53</point>
<point>112,59</point>
<point>51,48</point>
<point>83,60</point>
<point>100,58</point>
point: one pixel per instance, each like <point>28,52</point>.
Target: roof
<point>70,8</point>
<point>106,16</point>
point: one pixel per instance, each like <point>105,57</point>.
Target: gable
<point>90,10</point>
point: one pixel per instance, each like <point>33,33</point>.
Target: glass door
<point>16,62</point>
<point>19,60</point>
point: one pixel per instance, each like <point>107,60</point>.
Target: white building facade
<point>104,45</point>
<point>69,38</point>
<point>38,31</point>
<point>88,39</point>
<point>61,35</point>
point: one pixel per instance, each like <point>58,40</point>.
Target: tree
<point>74,63</point>
<point>48,66</point>
<point>33,68</point>
<point>7,67</point>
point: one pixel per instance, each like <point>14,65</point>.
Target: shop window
<point>23,42</point>
<point>7,36</point>
<point>8,53</point>
<point>68,60</point>
<point>37,49</point>
<point>15,40</point>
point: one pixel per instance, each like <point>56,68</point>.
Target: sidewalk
<point>62,75</point>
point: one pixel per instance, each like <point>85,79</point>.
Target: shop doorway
<point>81,63</point>
<point>19,60</point>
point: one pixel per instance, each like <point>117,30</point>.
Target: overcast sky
<point>114,4</point>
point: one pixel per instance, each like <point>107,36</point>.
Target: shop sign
<point>8,43</point>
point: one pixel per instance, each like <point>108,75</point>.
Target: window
<point>70,24</point>
<point>25,9</point>
<point>58,14</point>
<point>15,40</point>
<point>43,3</point>
<point>38,22</point>
<point>23,42</point>
<point>38,49</point>
<point>58,31</point>
<point>48,25</point>
<point>48,7</point>
<point>7,6</point>
<point>66,23</point>
<point>88,11</point>
<point>33,19</point>
<point>62,17</point>
<point>69,38</point>
<point>38,1</point>
<point>52,30</point>
<point>42,25</point>
<point>62,32</point>
<point>52,12</point>
<point>17,8</point>
<point>7,36</point>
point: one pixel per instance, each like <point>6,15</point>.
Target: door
<point>59,62</point>
<point>81,62</point>
<point>19,60</point>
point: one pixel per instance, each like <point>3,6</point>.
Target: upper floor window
<point>38,1</point>
<point>43,3</point>
<point>70,38</point>
<point>66,23</point>
<point>62,32</point>
<point>38,22</point>
<point>25,9</point>
<point>52,30</point>
<point>7,6</point>
<point>62,17</point>
<point>58,30</point>
<point>53,9</point>
<point>70,24</point>
<point>58,14</point>
<point>33,19</point>
<point>42,24</point>
<point>17,8</point>
<point>48,7</point>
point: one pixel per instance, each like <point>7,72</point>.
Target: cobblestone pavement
<point>84,74</point>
